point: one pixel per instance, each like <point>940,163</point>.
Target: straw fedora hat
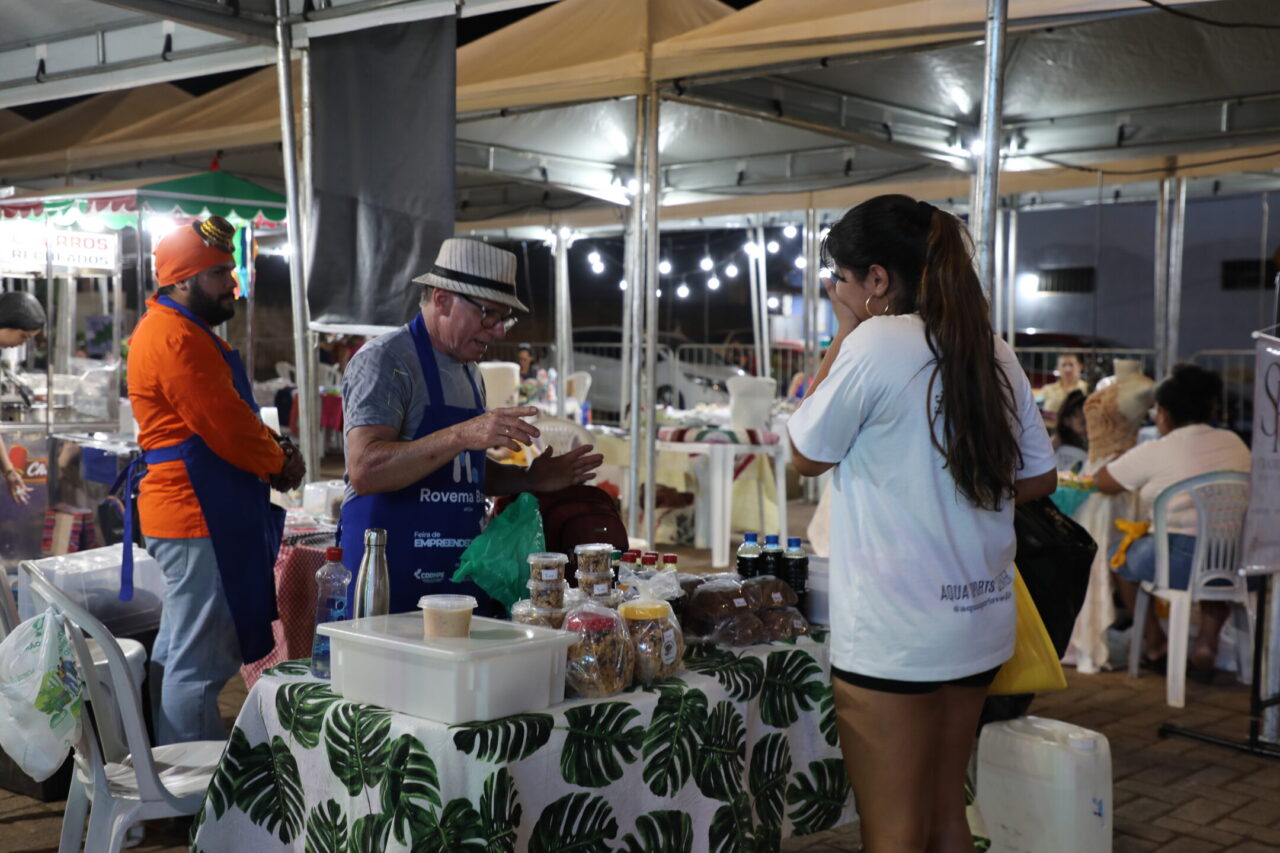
<point>475,269</point>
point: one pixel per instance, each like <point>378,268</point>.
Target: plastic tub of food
<point>447,616</point>
<point>501,668</point>
<point>547,567</point>
<point>549,594</point>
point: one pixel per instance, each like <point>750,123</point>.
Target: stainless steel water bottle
<point>373,583</point>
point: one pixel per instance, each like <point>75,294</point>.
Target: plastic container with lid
<point>656,638</point>
<point>593,558</point>
<point>447,616</point>
<point>526,613</point>
<point>601,661</point>
<point>598,587</point>
<point>547,594</point>
<point>501,669</point>
<point>547,566</point>
<point>1044,786</point>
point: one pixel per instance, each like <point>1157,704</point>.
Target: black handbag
<point>1054,557</point>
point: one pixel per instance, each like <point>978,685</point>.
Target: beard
<point>213,311</point>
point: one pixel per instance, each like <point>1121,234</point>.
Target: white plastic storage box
<point>92,579</point>
<point>818,602</point>
<point>503,668</point>
<point>1044,786</point>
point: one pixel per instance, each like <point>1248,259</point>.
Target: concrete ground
<point>1173,795</point>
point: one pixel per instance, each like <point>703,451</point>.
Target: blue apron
<point>246,528</point>
<point>431,522</point>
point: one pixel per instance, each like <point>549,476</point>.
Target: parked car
<point>680,384</point>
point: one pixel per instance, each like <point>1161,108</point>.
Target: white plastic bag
<point>41,695</point>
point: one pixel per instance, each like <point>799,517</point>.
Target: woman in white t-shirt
<point>933,432</point>
<point>1188,446</point>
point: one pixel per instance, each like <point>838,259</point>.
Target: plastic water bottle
<point>771,557</point>
<point>796,573</point>
<point>373,582</point>
<point>332,580</point>
<point>749,556</point>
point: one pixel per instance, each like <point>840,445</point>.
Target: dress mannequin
<point>1114,414</point>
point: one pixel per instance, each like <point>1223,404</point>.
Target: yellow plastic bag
<point>1034,667</point>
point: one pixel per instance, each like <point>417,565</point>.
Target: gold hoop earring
<point>870,313</point>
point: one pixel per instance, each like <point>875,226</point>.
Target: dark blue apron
<point>246,528</point>
<point>431,522</point>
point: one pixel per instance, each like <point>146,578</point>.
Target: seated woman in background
<point>1186,404</point>
<point>1071,443</point>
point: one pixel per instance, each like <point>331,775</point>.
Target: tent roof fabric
<point>41,147</point>
<point>574,50</point>
<point>220,193</point>
<point>9,120</point>
<point>772,32</point>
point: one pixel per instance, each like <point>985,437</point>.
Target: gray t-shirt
<point>384,386</point>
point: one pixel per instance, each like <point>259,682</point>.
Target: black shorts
<point>913,688</point>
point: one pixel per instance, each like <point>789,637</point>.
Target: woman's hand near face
<point>846,318</point>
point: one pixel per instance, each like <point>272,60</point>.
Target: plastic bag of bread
<point>765,591</point>
<point>601,661</point>
<point>715,600</point>
<point>736,629</point>
<point>783,623</point>
<point>656,636</point>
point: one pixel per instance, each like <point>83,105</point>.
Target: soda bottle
<point>771,557</point>
<point>749,556</point>
<point>796,573</point>
<point>649,562</point>
<point>332,580</point>
<point>669,562</point>
<point>373,583</point>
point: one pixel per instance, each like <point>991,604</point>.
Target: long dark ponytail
<point>926,253</point>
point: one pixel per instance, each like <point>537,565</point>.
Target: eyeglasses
<point>491,317</point>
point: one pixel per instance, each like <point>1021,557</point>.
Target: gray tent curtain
<point>382,172</point>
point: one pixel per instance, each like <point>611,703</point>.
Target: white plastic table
<point>716,496</point>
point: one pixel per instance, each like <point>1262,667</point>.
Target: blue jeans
<point>196,650</point>
<point>1140,560</point>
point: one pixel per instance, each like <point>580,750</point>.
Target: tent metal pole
<point>752,274</point>
<point>1177,231</point>
<point>637,286</point>
<point>1011,276</point>
<point>762,330</point>
<point>1162,279</point>
<point>983,216</point>
<point>654,178</point>
<point>306,396</point>
<point>141,262</point>
<point>251,298</point>
<point>564,337</point>
<point>631,266</point>
<point>305,198</point>
<point>810,294</point>
<point>997,291</point>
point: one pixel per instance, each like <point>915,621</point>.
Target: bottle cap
<point>771,539</point>
<point>333,555</point>
<point>631,557</point>
<point>671,559</point>
<point>749,537</point>
<point>375,536</point>
<point>650,559</point>
<point>793,542</point>
<point>644,610</point>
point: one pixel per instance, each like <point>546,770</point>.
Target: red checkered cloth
<point>84,535</point>
<point>295,570</point>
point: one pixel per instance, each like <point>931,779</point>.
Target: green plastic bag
<point>497,559</point>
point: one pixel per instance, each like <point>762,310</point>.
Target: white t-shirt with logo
<point>921,579</point>
<point>1188,451</point>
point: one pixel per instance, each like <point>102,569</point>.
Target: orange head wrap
<point>190,251</point>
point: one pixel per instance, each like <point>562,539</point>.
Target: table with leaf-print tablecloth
<point>734,754</point>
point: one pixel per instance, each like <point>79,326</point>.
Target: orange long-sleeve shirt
<point>179,384</point>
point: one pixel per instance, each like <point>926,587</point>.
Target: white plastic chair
<point>1220,499</point>
<point>577,385</point>
<point>501,383</point>
<point>285,371</point>
<point>329,375</point>
<point>561,435</point>
<point>119,782</point>
<point>750,401</point>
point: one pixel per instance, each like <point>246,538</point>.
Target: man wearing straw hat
<point>417,429</point>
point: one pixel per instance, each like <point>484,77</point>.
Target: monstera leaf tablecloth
<point>737,752</point>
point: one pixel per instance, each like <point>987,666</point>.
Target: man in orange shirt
<point>203,500</point>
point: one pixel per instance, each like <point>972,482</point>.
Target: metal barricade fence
<point>785,361</point>
<point>1041,363</point>
<point>1236,367</point>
